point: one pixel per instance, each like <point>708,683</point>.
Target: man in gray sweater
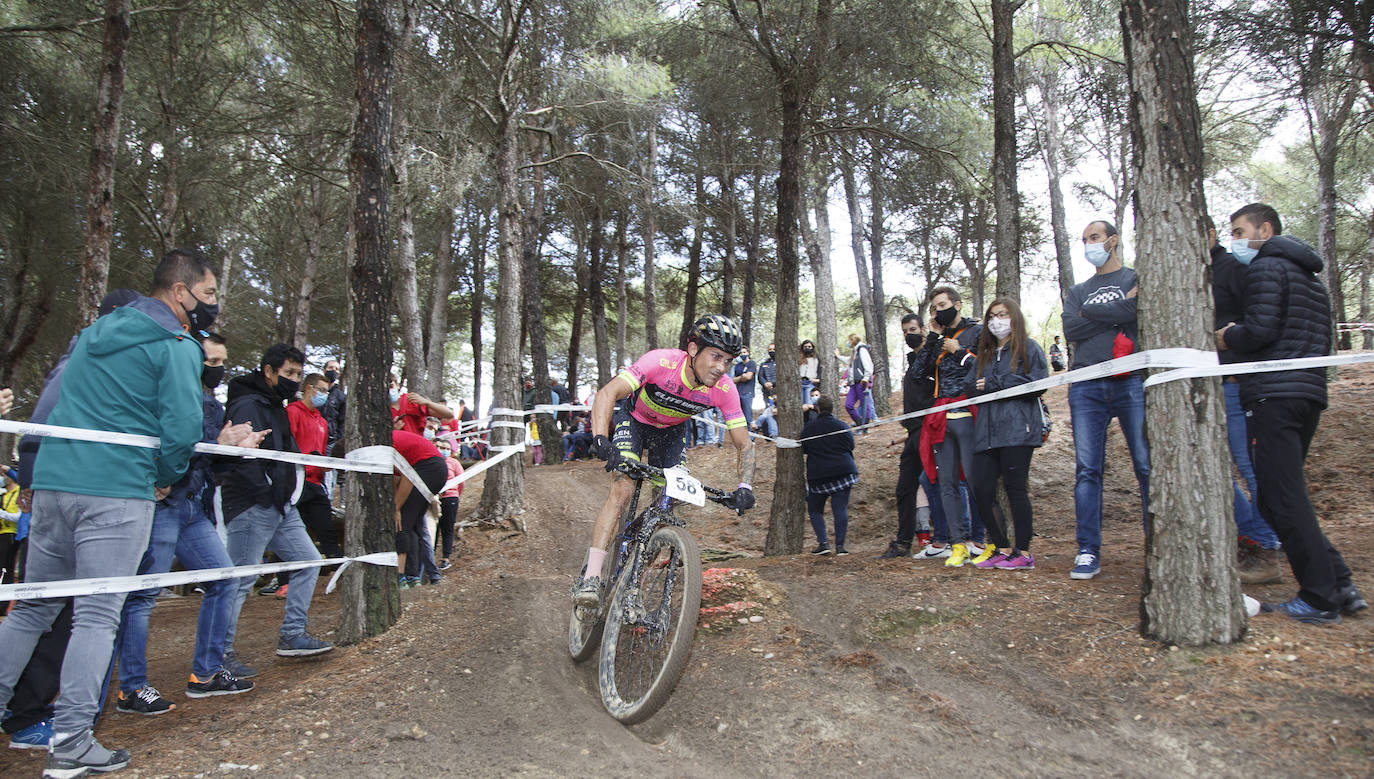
<point>1100,324</point>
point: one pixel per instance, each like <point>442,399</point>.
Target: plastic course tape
<point>74,587</point>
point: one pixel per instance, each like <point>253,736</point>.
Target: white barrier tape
<point>354,461</point>
<point>515,425</point>
<point>99,586</point>
<point>505,453</point>
<point>1239,368</point>
<point>1204,363</point>
<point>414,478</point>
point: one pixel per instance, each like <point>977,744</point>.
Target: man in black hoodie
<point>1287,315</point>
<point>259,501</point>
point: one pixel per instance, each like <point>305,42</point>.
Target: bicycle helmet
<point>718,331</point>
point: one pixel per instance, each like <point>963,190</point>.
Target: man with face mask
<point>744,372</point>
<point>135,370</point>
<point>259,499</point>
<point>1100,324</point>
<point>182,530</point>
<point>1286,314</point>
<point>311,431</point>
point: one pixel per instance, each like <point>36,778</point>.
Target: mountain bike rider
<point>665,387</point>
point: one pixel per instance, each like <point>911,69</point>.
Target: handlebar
<point>639,470</point>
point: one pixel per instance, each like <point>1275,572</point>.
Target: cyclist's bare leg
<point>622,488</point>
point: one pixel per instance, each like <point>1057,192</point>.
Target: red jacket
<point>311,432</point>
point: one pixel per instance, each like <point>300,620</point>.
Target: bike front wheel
<point>650,625</point>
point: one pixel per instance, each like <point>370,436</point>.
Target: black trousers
<point>448,513</point>
<point>909,471</point>
<point>433,471</point>
<point>38,685</point>
<point>1281,431</point>
<point>1011,464</point>
<point>318,516</point>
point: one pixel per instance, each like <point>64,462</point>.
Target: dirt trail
<point>893,668</point>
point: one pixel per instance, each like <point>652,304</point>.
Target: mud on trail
<point>891,668</point>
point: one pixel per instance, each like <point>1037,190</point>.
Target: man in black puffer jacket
<point>1287,315</point>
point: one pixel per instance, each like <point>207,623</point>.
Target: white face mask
<point>1000,327</point>
<point>1096,253</point>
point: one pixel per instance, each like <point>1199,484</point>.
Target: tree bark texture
<point>436,334</point>
<point>1051,145</point>
<point>877,234</point>
<point>533,294</point>
<point>647,231</point>
<point>1366,268</point>
<point>407,291</point>
<point>817,242</point>
<point>729,216</point>
<point>370,598</point>
<point>1191,594</point>
<point>692,296</point>
<point>596,294</point>
<point>751,259</point>
<point>478,245</point>
<point>312,231</point>
<point>856,242</point>
<point>1332,113</point>
<point>1005,194</point>
<point>109,96</point>
<point>581,273</point>
<point>622,298</point>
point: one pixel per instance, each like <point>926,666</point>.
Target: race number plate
<point>681,486</point>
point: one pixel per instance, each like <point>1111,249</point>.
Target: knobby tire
<point>641,665</point>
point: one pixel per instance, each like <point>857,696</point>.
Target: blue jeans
<point>255,531</point>
<point>1249,523</point>
<point>75,537</point>
<point>181,531</point>
<point>971,520</point>
<point>1092,404</point>
<point>767,422</point>
<point>746,404</point>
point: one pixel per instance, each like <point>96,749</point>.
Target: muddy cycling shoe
<point>586,592</point>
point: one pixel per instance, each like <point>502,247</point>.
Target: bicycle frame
<point>633,534</point>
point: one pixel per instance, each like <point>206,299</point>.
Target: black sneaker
<point>73,758</point>
<point>840,551</point>
<point>1350,600</point>
<point>146,701</point>
<point>235,667</point>
<point>1302,611</point>
<point>895,549</point>
<point>219,683</point>
<point>301,645</point>
<point>821,550</point>
<point>444,564</point>
<point>270,589</point>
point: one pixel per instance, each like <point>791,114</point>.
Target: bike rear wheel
<point>650,625</point>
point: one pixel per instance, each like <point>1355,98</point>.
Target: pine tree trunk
<point>437,333</point>
<point>503,493</point>
<point>168,211</point>
<point>596,295</point>
<point>579,308</point>
<point>751,260</point>
<point>533,294</point>
<point>1051,144</point>
<point>877,337</point>
<point>370,600</point>
<point>622,298</point>
<point>313,232</point>
<point>1328,148</point>
<point>788,515</point>
<point>1366,267</point>
<point>647,231</point>
<point>407,285</point>
<point>1191,594</point>
<point>691,297</point>
<point>1005,195</point>
<point>817,242</point>
<point>727,197</point>
<point>856,242</point>
<point>480,229</point>
<point>109,95</point>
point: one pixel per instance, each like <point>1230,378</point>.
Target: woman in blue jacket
<point>1006,432</point>
<point>830,473</point>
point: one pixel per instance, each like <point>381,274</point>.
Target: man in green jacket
<point>136,370</point>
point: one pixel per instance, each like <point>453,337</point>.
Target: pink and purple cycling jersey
<point>664,395</point>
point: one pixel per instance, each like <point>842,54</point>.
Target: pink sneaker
<point>1020,562</point>
<point>991,562</point>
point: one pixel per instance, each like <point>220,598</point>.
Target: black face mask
<point>287,389</point>
<point>808,350</point>
<point>914,340</point>
<point>203,315</point>
<point>771,355</point>
<point>945,317</point>
<point>211,376</point>
<point>331,376</point>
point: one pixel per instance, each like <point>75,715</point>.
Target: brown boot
<point>1259,566</point>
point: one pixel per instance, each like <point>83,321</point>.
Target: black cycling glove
<point>743,499</point>
<point>602,448</point>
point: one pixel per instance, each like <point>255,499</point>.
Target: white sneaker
<point>932,552</point>
<point>974,550</point>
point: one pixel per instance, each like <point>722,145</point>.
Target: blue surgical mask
<point>1095,253</point>
<point>395,395</point>
<point>318,400</point>
<point>1240,247</point>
